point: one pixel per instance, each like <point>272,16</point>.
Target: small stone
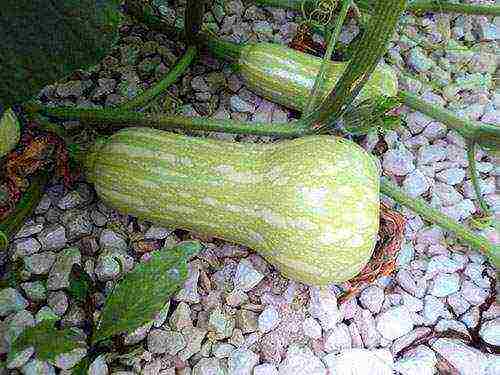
<point>367,328</point>
<point>107,267</point>
<point>458,303</point>
<point>16,324</point>
<point>21,358</point>
<point>29,230</point>
<point>26,247</point>
<point>98,218</point>
<point>40,264</point>
<point>434,130</point>
<point>240,105</point>
<point>161,316</point>
<point>60,271</point>
<point>189,291</point>
<point>236,298</point>
<point>419,61</point>
<point>323,306</point>
<point>473,294</point>
<point>109,239</point>
<point>161,341</point>
<point>452,176</point>
<point>242,362</point>
<point>77,223</point>
<point>298,356</point>
<point>451,324</point>
<point>445,284</point>
<point>431,154</point>
<point>398,162</point>
<point>416,183</point>
<point>465,359</point>
<point>311,328</point>
<point>246,277</point>
<point>408,339</point>
<point>405,279</point>
<point>418,361</point>
<point>45,313</point>
<point>445,195</point>
<point>208,366</point>
<point>138,334</point>
<point>58,302</point>
<point>35,291</point>
<point>269,319</point>
<point>198,83</point>
<point>99,366</point>
<point>265,369</point>
<point>193,344</point>
<point>246,320</point>
<point>433,309</point>
<point>360,362</point>
<point>11,301</point>
<point>38,367</point>
<point>222,350</point>
<point>371,298</point>
<point>221,324</point>
<point>157,233</point>
<point>181,317</point>
<point>338,339</point>
<point>441,264</point>
<point>68,360</point>
<point>406,254</point>
<point>475,272</point>
<point>412,303</point>
<point>53,237</point>
<point>394,323</point>
<point>490,332</point>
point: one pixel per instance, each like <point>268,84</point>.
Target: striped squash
<point>9,132</point>
<point>286,76</point>
<point>310,206</point>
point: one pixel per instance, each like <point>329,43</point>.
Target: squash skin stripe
<point>316,199</point>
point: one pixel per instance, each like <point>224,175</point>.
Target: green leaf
<point>80,284</point>
<point>47,340</point>
<point>43,41</point>
<point>81,367</point>
<point>143,291</point>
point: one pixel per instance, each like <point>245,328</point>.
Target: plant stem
<point>486,135</point>
<point>368,53</point>
<point>193,17</point>
<point>471,151</point>
<point>420,207</point>
<point>415,6</point>
<point>11,225</point>
<point>320,78</point>
<point>165,122</point>
<point>160,87</point>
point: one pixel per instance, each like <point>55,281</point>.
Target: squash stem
<point>123,118</point>
<point>415,6</point>
<point>420,207</point>
<point>160,87</point>
<point>484,134</point>
<point>193,16</point>
<point>471,151</point>
<point>31,197</point>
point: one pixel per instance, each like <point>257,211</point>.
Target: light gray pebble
<point>155,232</point>
<point>323,306</point>
<point>220,323</point>
<point>265,369</point>
<point>98,218</point>
<point>467,360</point>
<point>338,339</point>
<point>412,303</point>
<point>11,301</point>
<point>38,367</point>
<point>240,105</point>
<point>189,291</point>
<point>475,272</point>
<point>434,130</point>
<point>472,317</point>
<point>490,332</point>
<point>29,230</point>
<point>77,223</point>
<point>416,183</point>
<point>40,264</point>
<point>398,162</point>
<point>446,324</point>
<point>458,303</point>
<point>360,362</point>
<point>473,294</point>
<point>35,290</point>
<point>269,319</point>
<point>138,334</point>
<point>181,317</point>
<point>445,284</point>
<point>161,341</point>
<point>99,366</point>
<point>406,340</point>
<point>418,361</point>
<point>208,366</point>
<point>462,210</point>
<point>418,60</point>
<point>311,328</point>
<point>296,357</point>
<point>16,323</point>
<point>394,322</point>
<point>408,283</point>
<point>222,350</point>
<point>451,176</point>
<point>442,264</point>
<point>434,308</point>
<point>68,360</point>
<point>26,247</point>
<point>371,298</point>
<point>242,362</point>
<point>53,237</point>
<point>110,239</point>
<point>60,271</point>
<point>431,154</point>
<point>445,195</point>
<point>246,277</point>
<point>367,328</point>
<point>20,359</point>
<point>58,302</point>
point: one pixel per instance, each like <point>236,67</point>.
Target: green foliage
<point>81,367</point>
<point>80,284</point>
<point>44,41</point>
<point>372,115</point>
<point>47,340</point>
<point>143,291</point>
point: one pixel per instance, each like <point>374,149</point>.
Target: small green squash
<point>10,132</point>
<point>309,206</point>
<point>286,76</point>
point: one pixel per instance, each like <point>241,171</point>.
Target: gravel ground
<point>236,314</point>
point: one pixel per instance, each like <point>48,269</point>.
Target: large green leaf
<point>143,291</point>
<point>43,41</point>
<point>47,340</point>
